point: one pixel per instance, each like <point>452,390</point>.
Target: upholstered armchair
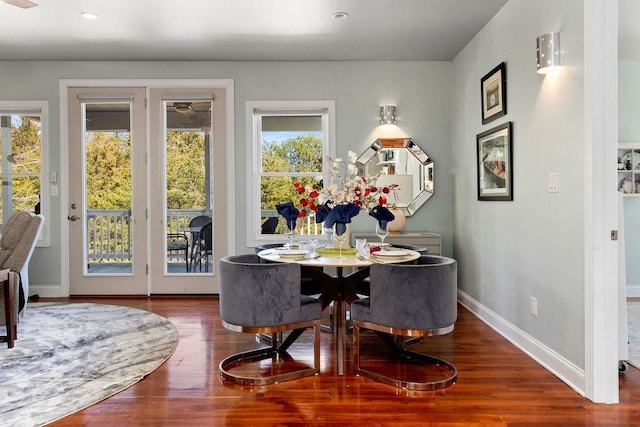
<point>265,298</point>
<point>19,236</point>
<point>409,300</point>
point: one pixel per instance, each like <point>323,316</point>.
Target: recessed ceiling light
<point>89,15</point>
<point>340,15</point>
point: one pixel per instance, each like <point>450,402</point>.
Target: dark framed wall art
<point>495,163</point>
<point>494,93</point>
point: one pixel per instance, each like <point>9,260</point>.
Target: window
<point>23,133</point>
<point>290,141</point>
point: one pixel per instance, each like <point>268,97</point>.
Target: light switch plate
<point>554,185</point>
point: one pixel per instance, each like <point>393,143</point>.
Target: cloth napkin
<point>382,214</point>
<point>289,212</point>
<point>341,215</point>
<point>322,212</point>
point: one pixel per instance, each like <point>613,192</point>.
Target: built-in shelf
<point>629,168</point>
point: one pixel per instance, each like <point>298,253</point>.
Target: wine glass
<point>291,232</point>
<point>382,231</point>
<point>341,239</point>
<point>313,245</point>
<point>328,231</point>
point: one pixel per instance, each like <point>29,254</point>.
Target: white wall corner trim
<point>559,366</point>
<point>600,200</point>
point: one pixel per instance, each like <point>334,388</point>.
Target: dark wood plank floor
<point>497,385</point>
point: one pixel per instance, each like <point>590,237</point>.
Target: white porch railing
<point>109,232</point>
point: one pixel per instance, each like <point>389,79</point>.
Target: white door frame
<point>65,84</point>
<point>600,200</point>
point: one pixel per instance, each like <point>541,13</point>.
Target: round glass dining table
<point>337,287</point>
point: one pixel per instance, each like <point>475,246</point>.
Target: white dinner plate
<point>390,253</point>
<point>379,244</point>
<point>291,253</point>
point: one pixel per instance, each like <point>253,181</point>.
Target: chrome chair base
<point>277,351</point>
<point>403,354</point>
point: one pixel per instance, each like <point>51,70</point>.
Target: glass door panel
<point>187,139</point>
<point>188,158</point>
<point>107,194</point>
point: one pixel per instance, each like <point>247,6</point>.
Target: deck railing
<point>109,234</point>
<point>109,230</point>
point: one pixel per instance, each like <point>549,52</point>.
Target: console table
<point>430,240</point>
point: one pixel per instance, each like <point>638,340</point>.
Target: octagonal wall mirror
<point>400,161</point>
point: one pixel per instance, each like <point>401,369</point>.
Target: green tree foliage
<point>291,157</point>
<point>186,170</point>
<point>108,170</point>
<point>26,149</point>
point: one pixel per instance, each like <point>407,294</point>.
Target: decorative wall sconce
<point>388,115</point>
<point>548,52</point>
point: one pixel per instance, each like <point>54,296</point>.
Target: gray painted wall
<point>421,91</point>
<point>533,246</point>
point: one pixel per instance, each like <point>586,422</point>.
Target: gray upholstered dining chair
<point>409,300</point>
<point>309,286</point>
<point>363,288</point>
<point>265,298</point>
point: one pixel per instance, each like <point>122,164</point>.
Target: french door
<point>187,163</point>
<point>143,162</point>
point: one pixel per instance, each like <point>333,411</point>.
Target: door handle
<point>73,217</point>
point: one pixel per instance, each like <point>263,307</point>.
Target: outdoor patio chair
<point>269,225</point>
<point>178,242</point>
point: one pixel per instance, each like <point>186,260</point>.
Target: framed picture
<point>494,93</point>
<point>495,163</point>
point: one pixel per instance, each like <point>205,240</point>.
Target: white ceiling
<point>260,30</point>
<point>183,30</point>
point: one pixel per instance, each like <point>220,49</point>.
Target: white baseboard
<point>566,371</point>
<point>52,291</point>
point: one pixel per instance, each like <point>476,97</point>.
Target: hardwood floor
<point>497,384</point>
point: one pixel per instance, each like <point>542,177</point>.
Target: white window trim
<point>46,180</point>
<point>253,152</point>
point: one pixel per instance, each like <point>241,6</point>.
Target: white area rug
<point>633,320</point>
<point>71,355</point>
